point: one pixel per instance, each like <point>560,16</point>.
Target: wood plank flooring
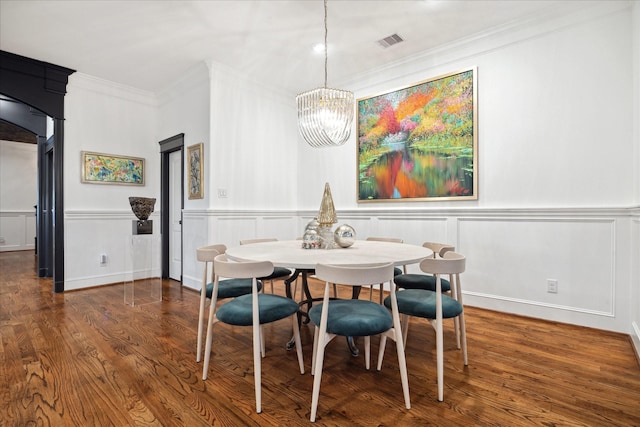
<point>84,358</point>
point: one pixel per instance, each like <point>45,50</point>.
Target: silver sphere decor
<point>312,225</point>
<point>344,235</point>
<point>311,240</point>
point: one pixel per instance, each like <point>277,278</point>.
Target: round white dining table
<point>290,254</point>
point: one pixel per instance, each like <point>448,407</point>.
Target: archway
<point>43,86</point>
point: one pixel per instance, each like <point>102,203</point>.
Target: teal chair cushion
<point>231,288</point>
<point>353,318</point>
<point>278,273</point>
<point>422,303</point>
<point>397,271</point>
<point>239,311</point>
<point>420,281</point>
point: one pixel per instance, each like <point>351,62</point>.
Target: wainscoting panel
<point>414,230</point>
<point>17,230</point>
<point>411,229</point>
<point>511,253</point>
<point>278,227</point>
<point>195,234</point>
<point>93,234</point>
<point>635,284</point>
<point>202,228</point>
<point>512,259</point>
<point>230,231</point>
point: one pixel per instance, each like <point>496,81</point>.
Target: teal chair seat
<point>354,318</point>
<point>231,288</point>
<point>422,303</point>
<point>420,281</point>
<point>278,273</point>
<point>239,311</point>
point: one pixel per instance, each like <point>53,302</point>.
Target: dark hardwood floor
<point>84,358</point>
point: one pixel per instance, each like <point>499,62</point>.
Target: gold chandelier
<point>324,114</point>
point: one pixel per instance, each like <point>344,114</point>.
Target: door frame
<point>43,86</point>
<point>167,146</point>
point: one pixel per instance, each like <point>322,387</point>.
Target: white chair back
<point>208,253</point>
<point>205,254</point>
<point>355,275</point>
<point>439,248</point>
<point>450,263</point>
<point>241,270</point>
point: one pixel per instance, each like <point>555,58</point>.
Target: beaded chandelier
<point>324,114</point>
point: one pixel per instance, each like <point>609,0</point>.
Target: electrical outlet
<point>222,193</point>
<point>103,259</point>
<point>552,286</point>
<point>2,241</point>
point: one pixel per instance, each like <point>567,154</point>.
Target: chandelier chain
<point>325,43</point>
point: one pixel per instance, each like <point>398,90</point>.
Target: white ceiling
<point>150,44</point>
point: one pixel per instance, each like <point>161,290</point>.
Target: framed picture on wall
<point>196,172</point>
<point>420,142</point>
<point>100,168</point>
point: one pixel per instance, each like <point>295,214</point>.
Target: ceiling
<point>150,44</point>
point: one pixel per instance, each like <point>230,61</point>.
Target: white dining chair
<point>355,318</point>
<point>396,270</point>
<point>435,307</point>
<point>279,273</point>
<point>427,281</point>
<point>228,288</point>
<point>255,310</point>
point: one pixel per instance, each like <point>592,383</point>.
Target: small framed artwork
<point>100,168</point>
<point>420,143</point>
<point>196,172</point>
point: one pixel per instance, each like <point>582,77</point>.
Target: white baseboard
<point>635,338</point>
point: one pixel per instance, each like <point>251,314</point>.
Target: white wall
<point>251,156</point>
<point>253,150</point>
<point>108,118</point>
<point>184,108</point>
<point>557,130</point>
<point>247,131</point>
<point>18,195</point>
<point>555,115</point>
<point>635,249</point>
<point>556,127</point>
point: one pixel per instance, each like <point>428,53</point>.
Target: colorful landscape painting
<point>419,142</point>
<point>110,169</point>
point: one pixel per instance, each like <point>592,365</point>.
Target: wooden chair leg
<point>319,361</point>
<point>203,298</point>
<point>257,366</point>
<point>367,352</point>
<point>405,328</point>
<point>207,351</point>
<point>383,344</point>
<point>296,337</point>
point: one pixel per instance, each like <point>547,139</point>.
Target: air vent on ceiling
<point>390,41</point>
